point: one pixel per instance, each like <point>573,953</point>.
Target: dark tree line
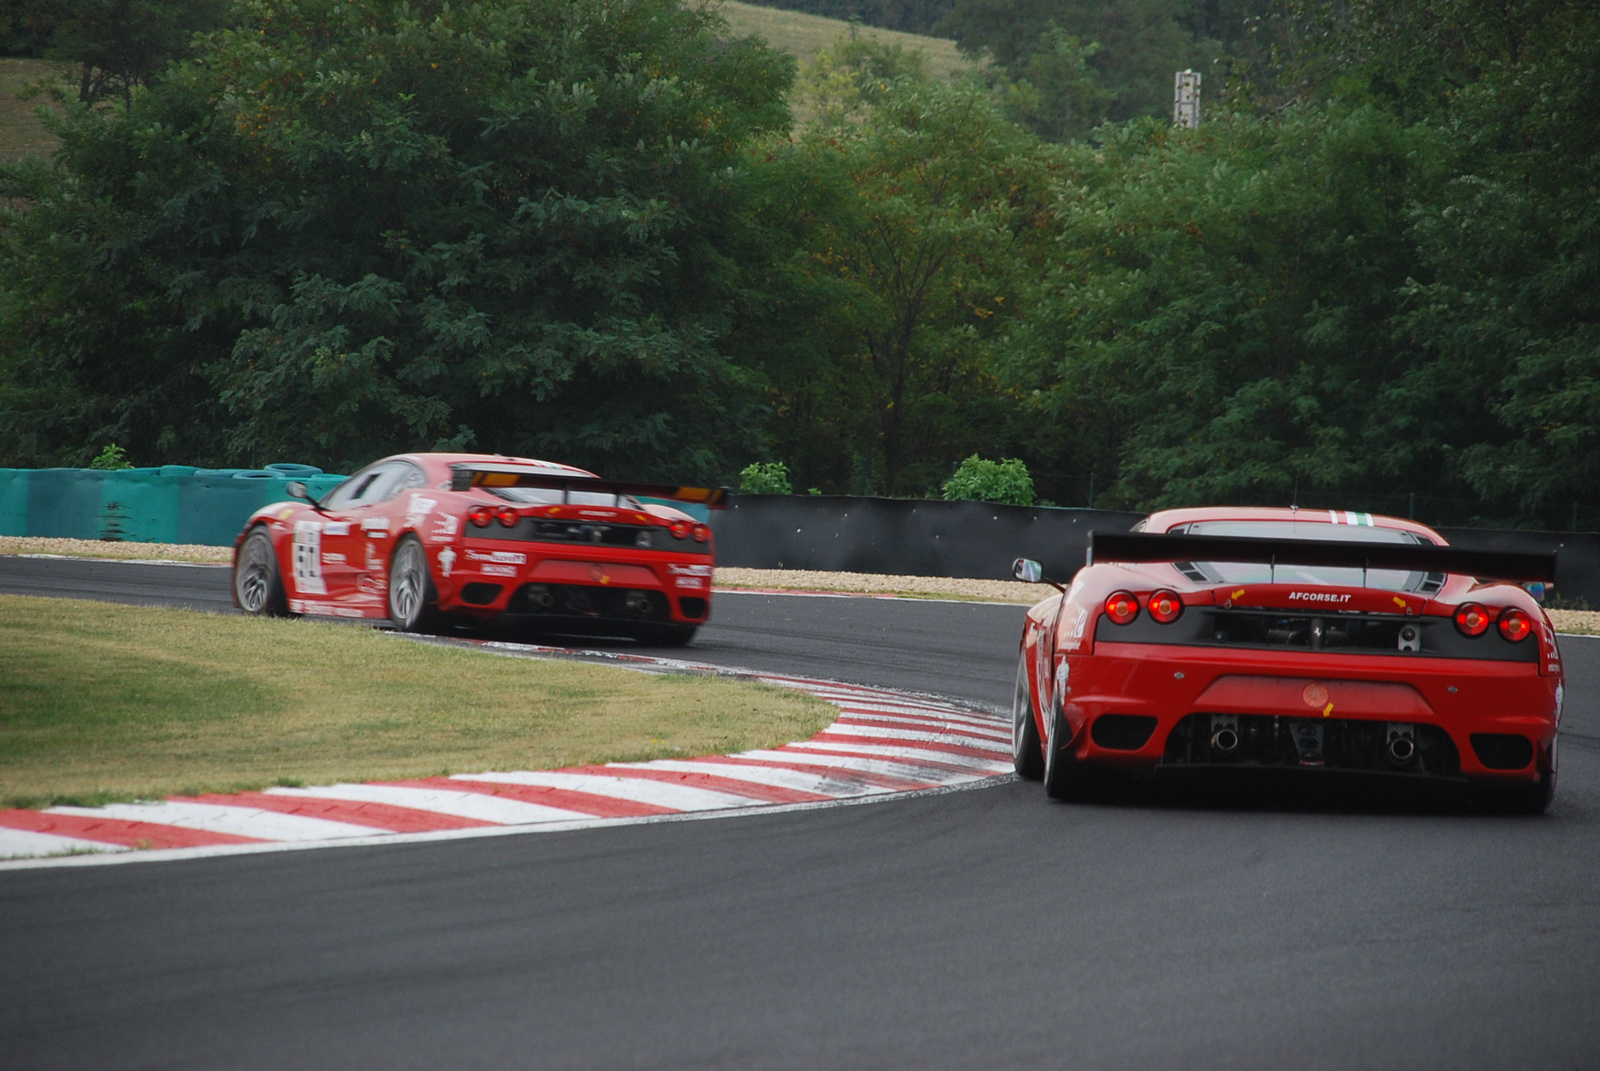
<point>592,231</point>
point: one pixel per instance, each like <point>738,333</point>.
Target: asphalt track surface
<point>986,928</point>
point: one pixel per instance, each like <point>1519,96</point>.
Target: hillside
<point>21,132</point>
<point>805,35</point>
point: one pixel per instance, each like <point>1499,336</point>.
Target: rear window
<point>1251,573</point>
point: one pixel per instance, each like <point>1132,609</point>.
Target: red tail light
<point>1515,625</point>
<point>1122,607</point>
<point>680,529</point>
<point>1165,607</point>
<point>1472,619</point>
<point>701,533</point>
<point>508,517</point>
<point>481,516</point>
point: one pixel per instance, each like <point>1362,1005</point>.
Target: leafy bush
<point>111,459</point>
<point>991,481</point>
<point>765,478</point>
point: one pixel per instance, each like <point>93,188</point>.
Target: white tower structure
<point>1186,99</point>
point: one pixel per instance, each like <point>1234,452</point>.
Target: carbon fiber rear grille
<point>1335,633</point>
<point>1264,740</point>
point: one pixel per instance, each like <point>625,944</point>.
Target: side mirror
<point>296,489</point>
<point>1537,589</point>
<point>1027,570</point>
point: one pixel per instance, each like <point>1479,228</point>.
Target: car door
<point>383,521</point>
<point>341,556</point>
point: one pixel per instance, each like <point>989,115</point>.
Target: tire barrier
<point>169,504</point>
<point>980,540</point>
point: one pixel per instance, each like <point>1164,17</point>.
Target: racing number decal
<point>308,558</point>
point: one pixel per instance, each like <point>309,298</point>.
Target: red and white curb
<point>882,744</point>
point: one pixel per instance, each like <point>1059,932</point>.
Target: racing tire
<point>413,600</point>
<point>665,635</point>
<point>1065,778</point>
<point>257,583</point>
<point>1027,754</point>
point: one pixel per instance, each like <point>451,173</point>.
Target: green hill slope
<point>805,35</point>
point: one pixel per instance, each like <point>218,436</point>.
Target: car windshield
<point>1250,573</point>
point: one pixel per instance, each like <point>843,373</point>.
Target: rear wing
<point>1134,547</point>
<point>467,476</point>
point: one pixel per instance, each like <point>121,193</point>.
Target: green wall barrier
<point>170,504</point>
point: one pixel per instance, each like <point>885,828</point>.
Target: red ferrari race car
<point>1273,639</point>
<point>426,539</point>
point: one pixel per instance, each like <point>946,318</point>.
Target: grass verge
<point>101,702</point>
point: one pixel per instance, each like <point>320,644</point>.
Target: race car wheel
<point>412,596</point>
<point>665,635</point>
<point>257,584</point>
<point>1065,778</point>
<point>1026,753</point>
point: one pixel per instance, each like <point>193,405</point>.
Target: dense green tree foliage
<point>905,236</point>
<point>586,230</point>
<point>357,225</point>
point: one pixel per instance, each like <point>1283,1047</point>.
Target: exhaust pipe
<point>1401,749</point>
<point>1224,741</point>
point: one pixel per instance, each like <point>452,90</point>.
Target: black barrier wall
<point>981,539</point>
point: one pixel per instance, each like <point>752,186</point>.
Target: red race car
<point>424,539</point>
<point>1271,639</point>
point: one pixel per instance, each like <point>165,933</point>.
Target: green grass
<point>803,36</point>
<point>21,131</point>
<point>101,702</point>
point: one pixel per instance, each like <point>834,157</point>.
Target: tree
<point>354,226</point>
<point>910,230</point>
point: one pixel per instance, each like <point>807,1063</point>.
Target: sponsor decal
<point>599,575</point>
<point>374,525</point>
<point>690,582</point>
<point>1398,601</point>
<point>374,560</point>
<point>1061,683</point>
<point>593,513</point>
<point>1321,596</point>
<point>1076,622</point>
<point>331,609</point>
<point>446,525</point>
<point>689,570</point>
<point>1238,594</point>
<point>330,558</point>
<point>503,557</point>
<point>447,558</point>
<point>335,528</point>
<point>499,570</point>
<point>283,514</point>
<point>418,508</point>
<point>308,558</point>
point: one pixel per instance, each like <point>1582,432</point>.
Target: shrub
<point>111,459</point>
<point>991,481</point>
<point>765,478</point>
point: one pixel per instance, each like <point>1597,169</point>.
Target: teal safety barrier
<point>170,504</point>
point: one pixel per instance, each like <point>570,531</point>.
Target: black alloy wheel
<point>1027,755</point>
<point>256,581</point>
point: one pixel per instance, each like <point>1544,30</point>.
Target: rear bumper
<point>1346,699</point>
<point>576,584</point>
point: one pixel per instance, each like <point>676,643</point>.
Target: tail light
<point>1165,607</point>
<point>700,532</point>
<point>680,529</point>
<point>508,517</point>
<point>481,516</point>
<point>1515,625</point>
<point>1472,619</point>
<point>1122,607</point>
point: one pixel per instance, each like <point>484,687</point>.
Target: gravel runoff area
<point>1585,622</point>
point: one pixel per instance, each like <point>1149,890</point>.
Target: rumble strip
<point>883,744</point>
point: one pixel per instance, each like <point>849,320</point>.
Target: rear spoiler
<point>1134,547</point>
<point>466,477</point>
